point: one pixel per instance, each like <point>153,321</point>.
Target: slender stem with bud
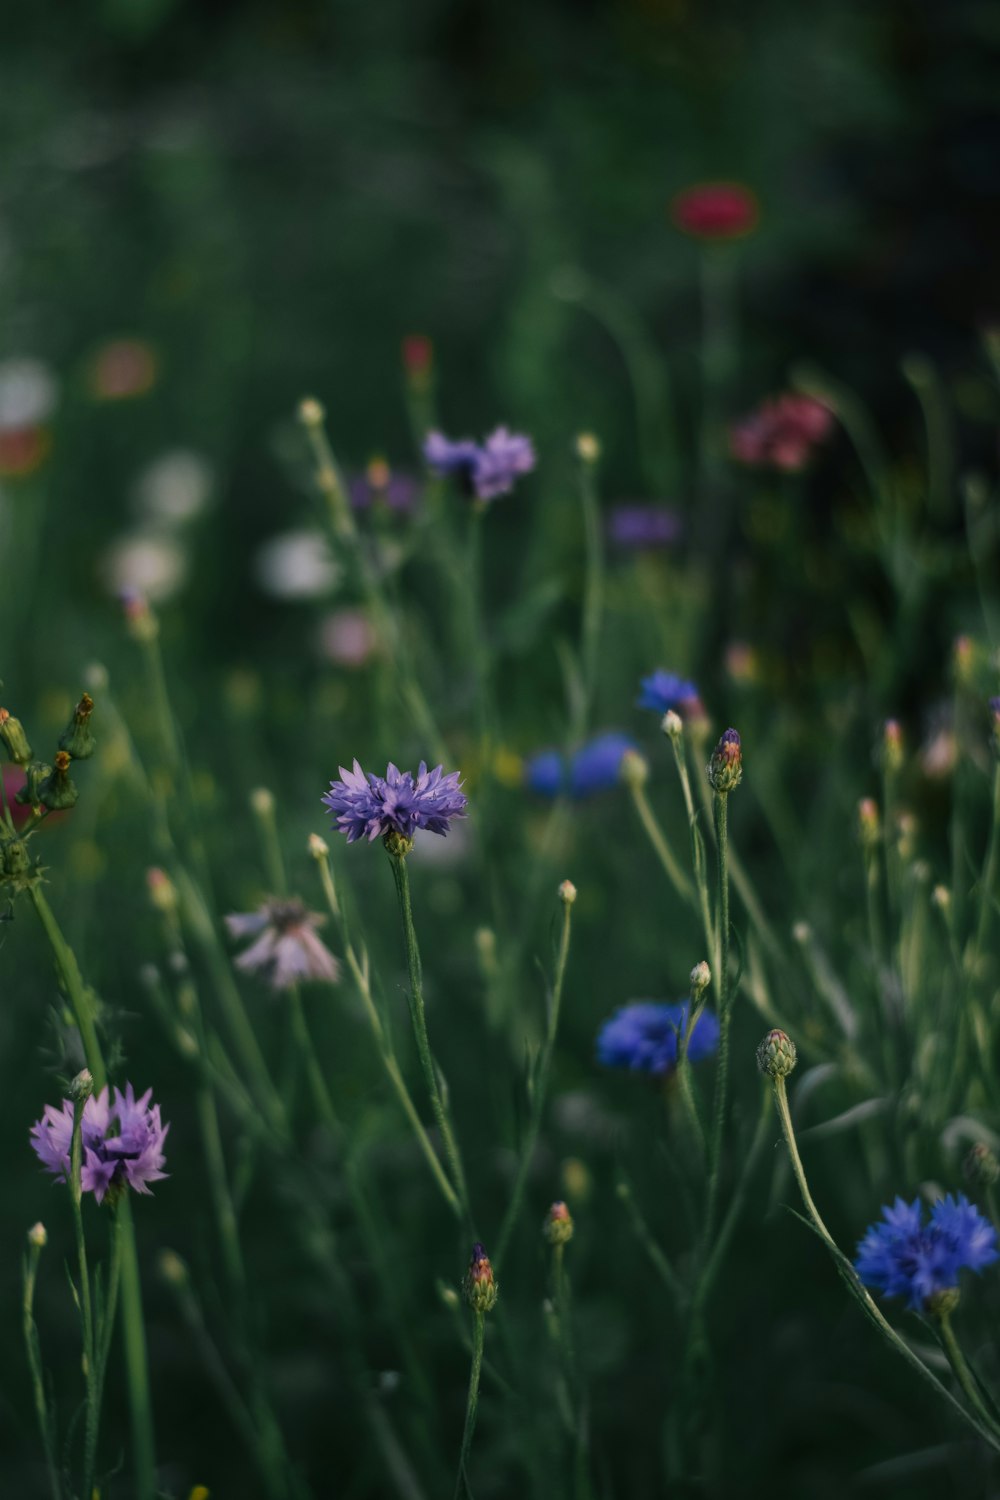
<point>36,1241</point>
<point>721,803</point>
<point>539,1088</point>
<point>963,1373</point>
<point>418,1018</point>
<point>86,1306</point>
<point>472,1402</point>
<point>654,833</point>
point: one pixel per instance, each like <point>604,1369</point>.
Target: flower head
<point>715,210</point>
<point>782,433</point>
<point>641,527</point>
<point>380,485</point>
<point>480,1287</point>
<point>371,806</point>
<point>662,691</point>
<point>725,769</point>
<point>643,1037</point>
<point>121,1137</point>
<point>485,470</point>
<point>904,1257</point>
<point>595,767</point>
<point>287,950</point>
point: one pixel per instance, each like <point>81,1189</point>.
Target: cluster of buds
<point>558,1225</point>
<point>776,1055</point>
<point>725,769</point>
<point>481,1290</point>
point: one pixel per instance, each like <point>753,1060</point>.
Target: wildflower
<point>375,806</point>
<point>297,565</point>
<point>663,691</point>
<point>348,638</point>
<point>558,1226</point>
<point>715,211</point>
<point>380,485</point>
<point>287,950</point>
<point>481,1290</point>
<point>903,1257</point>
<point>122,1142</point>
<point>597,765</point>
<point>782,433</point>
<point>641,527</point>
<point>567,892</point>
<point>122,369</point>
<point>175,488</point>
<point>725,769</point>
<point>483,471</point>
<point>643,1037</point>
<point>145,562</point>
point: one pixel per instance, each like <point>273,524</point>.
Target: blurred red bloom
<point>782,433</point>
<point>418,355</point>
<point>715,210</point>
<point>22,451</point>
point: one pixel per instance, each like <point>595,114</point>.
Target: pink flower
<point>287,950</point>
<point>782,433</point>
<point>715,211</point>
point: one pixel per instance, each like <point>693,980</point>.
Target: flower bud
<point>485,940</point>
<point>725,769</point>
<point>448,1295</point>
<point>588,447</point>
<point>38,1236</point>
<point>941,898</point>
<point>943,1303</point>
<point>172,1268</point>
<point>577,1179</point>
<point>15,741</point>
<point>892,746</point>
<point>558,1226</point>
<point>58,792</point>
<point>567,893</point>
<point>262,802</point>
<point>16,862</point>
<point>140,621</point>
<point>868,822</point>
<point>480,1289</point>
<point>162,891</point>
<point>396,844</point>
<point>76,739</point>
<point>981,1166</point>
<point>963,658</point>
<point>672,724</point>
<point>633,769</point>
<point>82,1086</point>
<point>35,774</point>
<point>318,848</point>
<point>776,1055</point>
<point>418,360</point>
<point>310,412</point>
<point>701,978</point>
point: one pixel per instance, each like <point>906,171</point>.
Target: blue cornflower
<point>597,766</point>
<point>643,1036</point>
<point>641,527</point>
<point>663,691</point>
<point>372,806</point>
<point>903,1257</point>
<point>485,470</point>
<point>545,773</point>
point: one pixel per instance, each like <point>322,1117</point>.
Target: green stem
<point>33,1348</point>
<point>472,1402</point>
<point>593,591</point>
<point>314,1073</point>
<point>419,1022</point>
<point>538,1093</point>
<point>656,1256</point>
<point>79,997</point>
<point>987,885</point>
<point>359,974</point>
<point>963,1374</point>
<point>697,851</point>
<point>647,818</point>
<point>721,807</point>
<point>86,1306</point>
<point>854,1284</point>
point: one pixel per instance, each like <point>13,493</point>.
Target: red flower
<point>715,210</point>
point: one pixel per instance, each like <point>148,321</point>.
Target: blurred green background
<point>264,200</point>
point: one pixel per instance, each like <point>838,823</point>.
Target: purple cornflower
<point>663,691</point>
<point>486,470</point>
<point>380,485</point>
<point>639,527</point>
<point>643,1036</point>
<point>122,1142</point>
<point>287,950</point>
<point>367,806</point>
<point>903,1257</point>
